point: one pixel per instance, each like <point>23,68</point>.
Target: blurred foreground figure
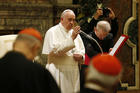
<point>102,75</point>
<point>18,73</point>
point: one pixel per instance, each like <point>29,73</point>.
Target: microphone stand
<point>89,37</point>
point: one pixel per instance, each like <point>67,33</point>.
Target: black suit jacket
<point>93,49</point>
<point>20,75</point>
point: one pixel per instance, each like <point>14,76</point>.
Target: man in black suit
<point>102,36</point>
<point>104,39</point>
<point>18,73</point>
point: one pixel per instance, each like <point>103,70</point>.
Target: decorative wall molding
<point>133,46</point>
<point>41,16</point>
<point>15,16</point>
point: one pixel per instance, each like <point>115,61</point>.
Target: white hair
<point>65,11</point>
<point>28,39</point>
<point>103,25</point>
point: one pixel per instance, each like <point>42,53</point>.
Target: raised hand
<point>111,14</point>
<point>98,13</point>
<point>76,31</point>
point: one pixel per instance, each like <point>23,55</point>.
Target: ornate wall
<point>40,14</point>
<point>127,14</point>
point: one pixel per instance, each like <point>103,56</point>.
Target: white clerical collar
<point>94,86</point>
<point>62,27</point>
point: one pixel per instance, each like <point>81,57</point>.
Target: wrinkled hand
<point>75,32</point>
<point>78,57</point>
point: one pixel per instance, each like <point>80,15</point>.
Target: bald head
<point>103,25</point>
<point>28,42</point>
<point>102,29</point>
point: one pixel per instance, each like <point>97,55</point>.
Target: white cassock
<point>60,47</point>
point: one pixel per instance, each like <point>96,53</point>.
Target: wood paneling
<point>123,10</point>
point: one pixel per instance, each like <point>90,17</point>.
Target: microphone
<point>91,38</point>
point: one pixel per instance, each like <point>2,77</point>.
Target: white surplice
<point>60,47</point>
